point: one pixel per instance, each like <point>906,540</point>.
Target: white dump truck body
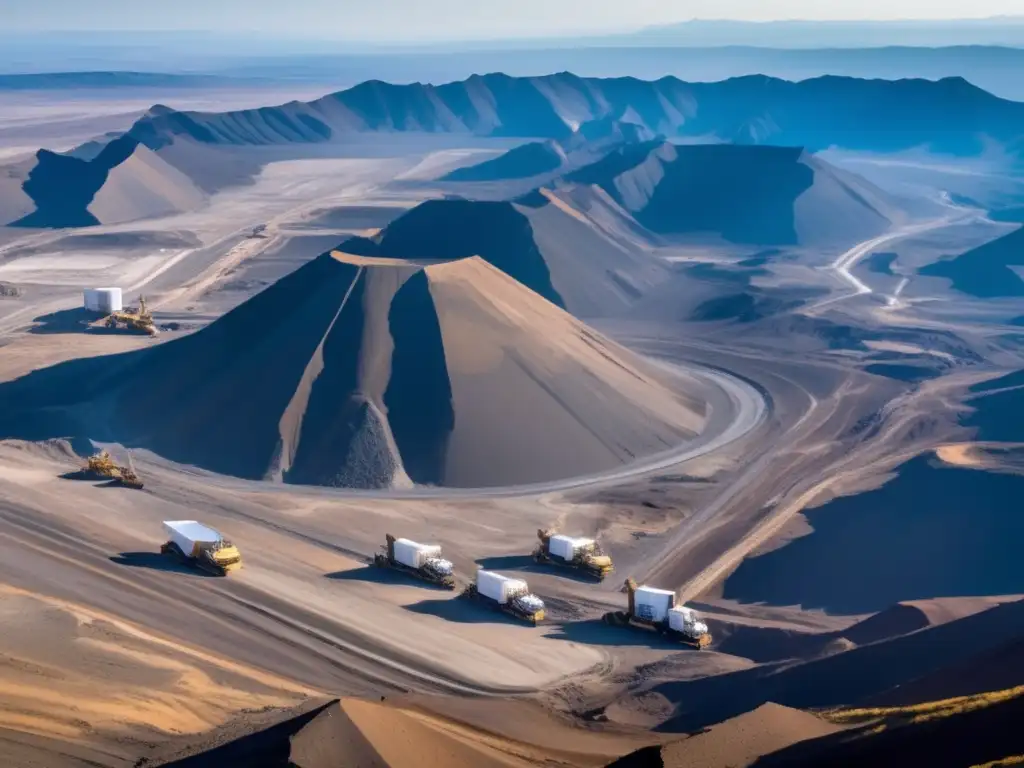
<point>498,587</point>
<point>685,621</point>
<point>561,546</point>
<point>104,300</point>
<point>566,547</point>
<point>652,604</point>
<point>188,533</point>
<point>414,555</point>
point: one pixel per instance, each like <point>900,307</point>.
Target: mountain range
<point>949,116</point>
<point>178,157</point>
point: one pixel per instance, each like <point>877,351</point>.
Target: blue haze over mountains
<point>988,53</point>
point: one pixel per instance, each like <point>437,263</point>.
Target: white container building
<point>106,300</point>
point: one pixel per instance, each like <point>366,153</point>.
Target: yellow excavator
<point>102,464</point>
<point>140,320</point>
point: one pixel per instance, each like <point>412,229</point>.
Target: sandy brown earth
<point>739,741</point>
<point>163,663</point>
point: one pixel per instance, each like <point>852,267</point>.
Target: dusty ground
<point>153,655</point>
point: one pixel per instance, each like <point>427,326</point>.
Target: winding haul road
<point>843,265</point>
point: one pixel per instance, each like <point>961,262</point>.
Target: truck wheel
<point>173,550</point>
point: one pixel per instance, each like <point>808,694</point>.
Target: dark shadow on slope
<point>193,400</point>
<point>1015,379</point>
<point>63,186</point>
<point>350,217</point>
<point>371,574</point>
<point>908,373</point>
<point>881,263</point>
<point>614,164</point>
<point>507,563</point>
<point>342,442</point>
<point>843,679</point>
<point>998,416</point>
<point>454,229</point>
<point>159,127</point>
<point>949,531</point>
<point>100,481</point>
<point>1013,215</point>
<point>759,259</point>
<point>521,162</point>
<point>745,193</point>
<point>462,611</point>
<point>979,737</point>
<point>985,272</point>
<point>892,622</point>
<point>614,128</point>
<point>324,737</point>
<point>646,757</point>
<point>65,400</point>
<point>596,632</point>
<point>742,308</point>
<point>419,395</point>
<point>347,448</point>
<point>156,562</point>
<point>526,564</point>
<point>767,644</point>
<point>994,670</point>
<point>722,273</point>
<point>77,320</point>
<point>215,398</point>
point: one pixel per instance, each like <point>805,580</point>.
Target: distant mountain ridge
<point>950,115</point>
<point>177,157</point>
<point>32,81</point>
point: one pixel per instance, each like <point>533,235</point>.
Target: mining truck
<point>656,609</point>
<point>140,319</point>
<point>103,465</point>
<point>506,594</point>
<point>580,554</point>
<point>200,546</point>
<point>422,561</point>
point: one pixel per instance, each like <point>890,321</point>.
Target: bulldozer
<point>139,320</point>
<point>583,555</point>
<point>656,609</point>
<point>103,465</point>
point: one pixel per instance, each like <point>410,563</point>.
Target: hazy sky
<point>454,19</point>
